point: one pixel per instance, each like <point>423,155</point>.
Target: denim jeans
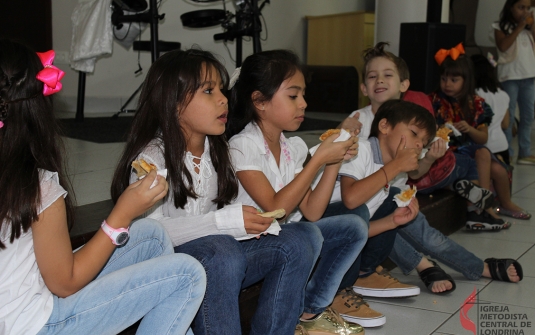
<point>142,279</point>
<point>284,263</point>
<point>465,168</point>
<point>377,248</point>
<point>521,92</point>
<point>344,237</point>
<point>418,237</point>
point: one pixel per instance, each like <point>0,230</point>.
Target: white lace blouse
<point>199,217</point>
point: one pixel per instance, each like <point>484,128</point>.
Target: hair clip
<point>234,78</point>
<point>454,53</point>
<point>50,75</point>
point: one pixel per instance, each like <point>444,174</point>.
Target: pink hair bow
<point>50,75</point>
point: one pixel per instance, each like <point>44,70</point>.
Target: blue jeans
<point>284,263</point>
<point>377,248</point>
<point>521,92</point>
<point>418,237</point>
<point>344,237</point>
<point>142,279</point>
<point>465,168</point>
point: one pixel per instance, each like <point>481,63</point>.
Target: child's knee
<point>482,154</point>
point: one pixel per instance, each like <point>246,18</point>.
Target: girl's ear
<point>258,102</point>
<point>384,126</point>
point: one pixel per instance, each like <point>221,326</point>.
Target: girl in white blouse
<point>45,288</point>
<point>267,99</point>
<point>179,126</point>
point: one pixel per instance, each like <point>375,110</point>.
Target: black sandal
<point>498,268</point>
<point>433,274</point>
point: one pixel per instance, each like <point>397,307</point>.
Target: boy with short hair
<point>398,133</point>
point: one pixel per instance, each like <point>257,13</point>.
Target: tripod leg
<point>123,107</point>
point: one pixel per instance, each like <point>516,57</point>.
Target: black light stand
<point>247,24</point>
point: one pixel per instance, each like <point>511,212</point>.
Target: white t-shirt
<point>200,217</point>
<point>499,102</point>
<point>249,151</point>
<point>523,66</point>
<point>360,167</point>
<point>25,301</point>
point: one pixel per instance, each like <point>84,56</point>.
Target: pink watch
<point>117,236</point>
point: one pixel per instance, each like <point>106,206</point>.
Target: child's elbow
<point>350,203</point>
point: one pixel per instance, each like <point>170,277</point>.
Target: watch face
<point>122,238</point>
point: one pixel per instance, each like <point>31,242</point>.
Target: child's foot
<point>514,213</point>
<point>480,197</point>
<point>484,221</point>
<point>503,269</point>
<point>434,278</point>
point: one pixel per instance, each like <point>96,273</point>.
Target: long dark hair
<point>484,74</point>
<point>29,140</point>
<point>169,87</point>
<point>263,72</point>
<point>462,67</point>
<point>507,22</point>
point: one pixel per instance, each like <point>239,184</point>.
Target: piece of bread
<point>330,132</point>
<point>443,133</point>
<point>529,21</point>
<point>142,167</point>
<point>407,194</point>
<point>276,214</point>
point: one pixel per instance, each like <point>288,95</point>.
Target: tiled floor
<point>91,167</point>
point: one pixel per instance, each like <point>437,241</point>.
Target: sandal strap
<point>498,268</point>
<point>435,273</point>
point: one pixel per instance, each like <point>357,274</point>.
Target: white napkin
<point>274,229</point>
<point>426,149</point>
<point>456,132</point>
<point>162,173</point>
<point>402,203</point>
<point>344,136</point>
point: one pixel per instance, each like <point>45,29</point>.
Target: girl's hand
<point>334,152</point>
<point>138,198</point>
<point>404,215</point>
<point>406,159</point>
<point>463,126</point>
<point>254,223</point>
<point>437,150</point>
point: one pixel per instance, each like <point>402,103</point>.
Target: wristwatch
<point>117,236</point>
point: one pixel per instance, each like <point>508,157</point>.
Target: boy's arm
<point>401,216</point>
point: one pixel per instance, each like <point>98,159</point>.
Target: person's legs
<point>430,241</point>
<point>511,88</point>
<point>225,264</point>
<point>344,237</point>
<point>526,100</point>
<point>284,262</point>
<point>137,283</point>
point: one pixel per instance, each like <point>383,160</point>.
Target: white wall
<point>488,11</point>
<point>113,80</point>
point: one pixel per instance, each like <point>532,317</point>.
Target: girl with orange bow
<point>126,272</point>
<point>457,106</point>
<point>514,36</point>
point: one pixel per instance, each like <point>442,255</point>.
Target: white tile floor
<point>91,167</point>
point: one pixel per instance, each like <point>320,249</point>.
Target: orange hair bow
<point>454,53</point>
